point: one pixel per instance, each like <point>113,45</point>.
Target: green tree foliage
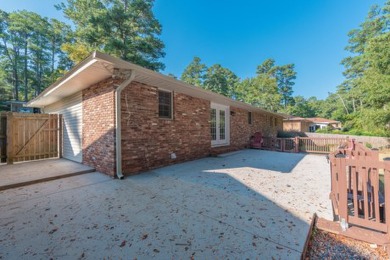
<point>260,91</point>
<point>221,80</point>
<point>194,73</point>
<point>215,78</point>
<point>362,101</point>
<point>284,75</point>
<point>301,107</point>
<point>269,89</point>
<point>123,28</point>
<point>365,94</point>
<point>29,57</point>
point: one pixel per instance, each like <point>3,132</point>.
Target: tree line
<point>361,102</point>
<point>35,51</point>
<point>270,89</point>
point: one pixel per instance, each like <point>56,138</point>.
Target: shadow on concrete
<point>190,210</point>
<point>205,188</point>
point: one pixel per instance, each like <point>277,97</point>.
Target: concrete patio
<point>251,204</point>
<point>27,173</point>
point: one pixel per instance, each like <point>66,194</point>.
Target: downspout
<point>118,135</point>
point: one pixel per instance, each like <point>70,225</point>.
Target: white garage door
<point>71,110</point>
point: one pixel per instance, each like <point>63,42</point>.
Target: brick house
<point>296,124</point>
<point>300,124</point>
<point>123,119</point>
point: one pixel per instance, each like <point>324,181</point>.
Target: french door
<point>219,127</point>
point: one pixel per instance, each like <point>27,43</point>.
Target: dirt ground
<point>324,245</point>
<point>251,204</point>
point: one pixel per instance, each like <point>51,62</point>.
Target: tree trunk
<point>25,73</point>
<point>53,53</point>
<point>16,78</point>
<point>342,100</point>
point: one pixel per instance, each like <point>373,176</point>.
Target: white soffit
<point>99,66</point>
<point>86,75</point>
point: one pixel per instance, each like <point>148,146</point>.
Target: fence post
<point>387,199</point>
<point>343,201</point>
<point>296,146</point>
<point>10,141</point>
<point>60,136</point>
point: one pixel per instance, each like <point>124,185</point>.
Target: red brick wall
<point>148,141</point>
<point>99,126</point>
<point>241,130</point>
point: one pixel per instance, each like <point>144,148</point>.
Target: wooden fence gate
<point>29,137</point>
<point>360,192</point>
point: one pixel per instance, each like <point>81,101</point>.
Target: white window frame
<point>218,141</point>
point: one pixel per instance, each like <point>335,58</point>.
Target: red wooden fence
<point>302,144</point>
<point>360,190</point>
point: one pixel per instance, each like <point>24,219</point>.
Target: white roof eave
<point>80,78</point>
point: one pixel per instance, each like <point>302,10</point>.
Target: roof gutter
<point>118,115</point>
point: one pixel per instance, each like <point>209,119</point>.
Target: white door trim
<point>222,138</point>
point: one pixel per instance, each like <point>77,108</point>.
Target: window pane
<point>222,125</point>
<point>165,104</point>
<point>213,119</point>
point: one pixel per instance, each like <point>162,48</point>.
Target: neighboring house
<point>323,123</point>
<point>300,124</point>
<point>123,119</point>
<point>296,124</point>
<point>19,107</point>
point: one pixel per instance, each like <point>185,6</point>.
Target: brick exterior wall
<point>99,126</point>
<point>241,130</point>
<point>148,141</point>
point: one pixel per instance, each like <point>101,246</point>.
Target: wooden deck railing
<point>360,191</point>
<point>302,144</point>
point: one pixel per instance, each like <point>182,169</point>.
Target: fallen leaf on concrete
<point>53,230</point>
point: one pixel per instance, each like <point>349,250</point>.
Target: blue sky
<point>240,35</point>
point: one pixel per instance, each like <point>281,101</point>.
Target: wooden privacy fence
<point>3,137</point>
<point>360,191</point>
<point>302,144</point>
<point>26,137</point>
